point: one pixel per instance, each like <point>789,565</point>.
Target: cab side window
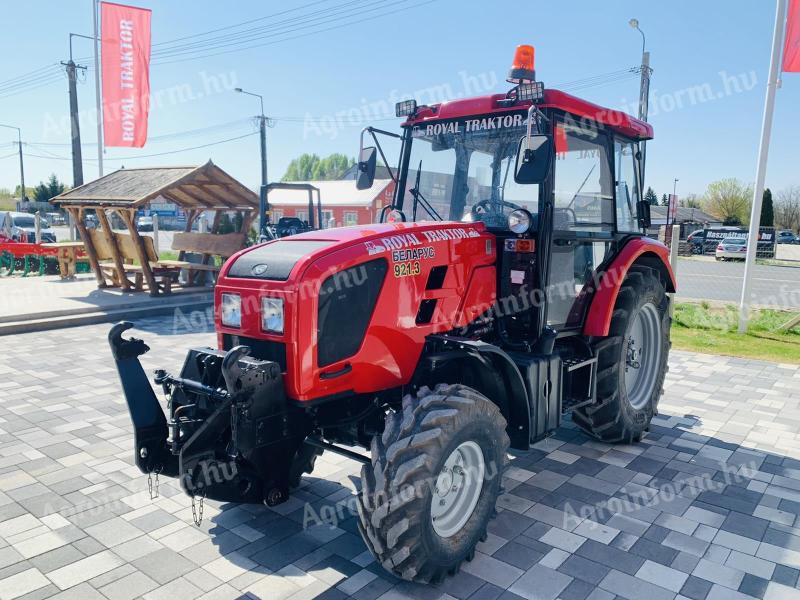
<point>583,193</point>
<point>626,186</point>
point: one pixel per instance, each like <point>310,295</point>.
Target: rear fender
<point>637,252</point>
<point>490,371</point>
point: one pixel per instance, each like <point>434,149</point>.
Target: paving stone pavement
<point>706,506</point>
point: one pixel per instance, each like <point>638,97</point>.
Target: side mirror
<point>643,213</point>
<point>533,159</point>
<point>366,168</point>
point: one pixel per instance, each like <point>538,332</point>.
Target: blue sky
<point>710,62</point>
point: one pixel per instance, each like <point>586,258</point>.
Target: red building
<point>342,203</point>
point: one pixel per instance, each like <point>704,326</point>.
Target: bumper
<point>730,255</point>
<point>230,435</point>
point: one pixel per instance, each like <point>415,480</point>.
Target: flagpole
<point>97,96</point>
<point>761,169</point>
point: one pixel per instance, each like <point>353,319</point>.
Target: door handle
<point>334,374</point>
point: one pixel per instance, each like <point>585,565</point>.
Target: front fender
<point>638,251</point>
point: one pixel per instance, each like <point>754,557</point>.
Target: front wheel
<point>435,476</point>
<point>632,362</point>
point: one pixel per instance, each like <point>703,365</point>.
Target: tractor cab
<point>287,226</point>
<point>557,179</point>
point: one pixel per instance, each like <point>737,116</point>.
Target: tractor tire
<point>632,362</point>
<point>431,489</point>
<point>303,463</point>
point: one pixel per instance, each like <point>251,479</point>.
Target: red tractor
<point>508,284</point>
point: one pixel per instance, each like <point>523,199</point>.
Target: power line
<point>137,157</point>
<point>314,32</point>
<point>255,33</point>
<point>230,125</point>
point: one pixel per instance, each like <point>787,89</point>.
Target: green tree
<point>651,197</point>
<point>729,200</point>
<point>308,167</point>
<point>45,191</point>
<point>664,200</point>
<point>767,210</point>
<point>28,192</point>
<point>692,201</point>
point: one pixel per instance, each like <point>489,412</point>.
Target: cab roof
<point>616,120</point>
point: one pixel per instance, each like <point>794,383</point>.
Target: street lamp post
<point>644,90</point>
<point>21,163</point>
<point>263,204</point>
<point>674,198</point>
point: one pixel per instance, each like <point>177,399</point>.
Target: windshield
<point>24,222</point>
<point>464,170</point>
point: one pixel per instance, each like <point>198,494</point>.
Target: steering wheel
<point>490,206</point>
<point>490,212</point>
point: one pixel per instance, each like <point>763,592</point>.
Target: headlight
<point>519,221</point>
<point>231,310</point>
<point>272,314</point>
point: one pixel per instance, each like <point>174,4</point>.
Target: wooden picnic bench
<point>68,254</point>
<point>118,266</point>
<point>208,245</point>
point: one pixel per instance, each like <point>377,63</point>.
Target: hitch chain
<point>197,511</point>
<point>152,487</point>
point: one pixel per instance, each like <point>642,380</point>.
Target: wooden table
<point>67,253</point>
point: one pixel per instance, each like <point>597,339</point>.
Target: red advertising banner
<point>791,48</point>
<point>125,38</point>
<point>673,208</point>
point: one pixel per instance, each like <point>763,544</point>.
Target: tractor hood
<point>277,260</point>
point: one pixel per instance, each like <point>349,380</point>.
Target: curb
<point>76,319</point>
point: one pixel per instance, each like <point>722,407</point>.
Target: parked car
<point>56,218</point>
<point>732,248</point>
<point>21,227</point>
<point>144,223</point>
<point>91,221</point>
<point>696,241</point>
<point>787,237</point>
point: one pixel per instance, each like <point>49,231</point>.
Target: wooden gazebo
<point>194,189</point>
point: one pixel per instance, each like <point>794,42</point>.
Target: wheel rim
<point>642,356</point>
<point>457,490</point>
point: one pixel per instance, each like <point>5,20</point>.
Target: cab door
<point>583,217</point>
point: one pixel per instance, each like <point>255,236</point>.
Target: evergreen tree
<point>651,197</point>
<point>664,200</point>
<point>44,191</point>
<point>767,210</point>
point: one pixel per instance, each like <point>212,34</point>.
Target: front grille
<point>346,302</point>
<point>260,349</point>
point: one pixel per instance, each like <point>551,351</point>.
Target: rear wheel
<point>632,362</point>
<point>435,476</point>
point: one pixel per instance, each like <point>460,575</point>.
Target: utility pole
<point>22,195</point>
<point>72,76</point>
<point>644,92</point>
<point>761,169</point>
<point>263,203</point>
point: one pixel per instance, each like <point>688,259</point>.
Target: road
<point>707,279</point>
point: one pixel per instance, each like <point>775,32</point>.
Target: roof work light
<point>522,69</point>
<point>406,108</point>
